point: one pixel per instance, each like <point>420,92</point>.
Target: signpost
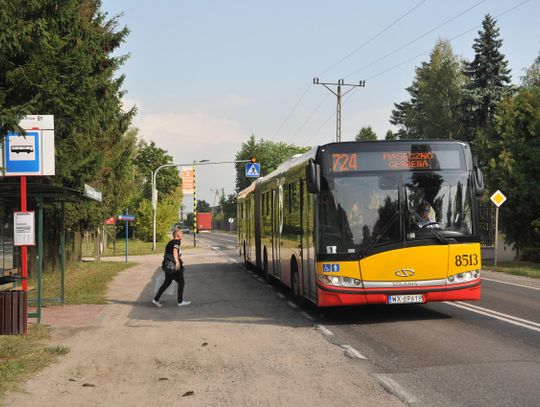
<point>498,199</point>
<point>128,218</point>
<point>23,155</point>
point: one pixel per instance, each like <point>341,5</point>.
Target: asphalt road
<point>484,353</point>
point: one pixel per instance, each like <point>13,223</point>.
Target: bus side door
<point>276,232</point>
<point>308,252</point>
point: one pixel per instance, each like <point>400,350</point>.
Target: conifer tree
<point>488,81</point>
<point>366,134</point>
<point>56,58</point>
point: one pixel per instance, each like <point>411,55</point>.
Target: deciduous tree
<point>515,164</point>
<point>432,112</point>
<point>268,153</point>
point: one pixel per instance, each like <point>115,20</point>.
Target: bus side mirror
<point>313,177</point>
<point>478,181</point>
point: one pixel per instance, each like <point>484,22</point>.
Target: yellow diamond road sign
<point>498,198</point>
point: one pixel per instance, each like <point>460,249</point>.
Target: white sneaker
<point>181,304</point>
<point>157,303</point>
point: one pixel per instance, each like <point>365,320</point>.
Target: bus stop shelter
<point>39,195</point>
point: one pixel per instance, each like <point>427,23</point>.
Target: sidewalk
<point>238,344</point>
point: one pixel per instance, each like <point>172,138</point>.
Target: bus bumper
<point>335,297</point>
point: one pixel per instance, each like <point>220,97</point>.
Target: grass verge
<point>85,282</point>
<point>518,268</point>
<point>23,355</point>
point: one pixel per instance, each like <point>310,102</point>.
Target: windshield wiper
<point>437,235</point>
<point>376,238</point>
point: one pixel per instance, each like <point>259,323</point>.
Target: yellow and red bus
<point>378,222</point>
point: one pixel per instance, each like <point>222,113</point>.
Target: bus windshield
<point>355,209</point>
<point>359,211</point>
<point>440,201</point>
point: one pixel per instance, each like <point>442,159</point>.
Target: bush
<point>531,254</point>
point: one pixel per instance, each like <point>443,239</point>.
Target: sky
<point>206,75</point>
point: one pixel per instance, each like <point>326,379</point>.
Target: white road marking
<point>352,353</point>
<point>395,388</point>
<point>231,247</point>
<point>307,316</point>
<point>280,295</point>
<point>322,329</point>
<point>203,242</point>
<point>215,247</point>
<point>508,283</point>
<point>533,326</point>
<point>292,305</point>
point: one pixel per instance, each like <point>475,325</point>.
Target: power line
<point>291,111</point>
<point>416,39</point>
<point>419,55</point>
<point>372,38</point>
<point>310,116</point>
<point>340,61</point>
<point>451,39</point>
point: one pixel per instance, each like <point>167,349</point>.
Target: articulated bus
<point>378,222</point>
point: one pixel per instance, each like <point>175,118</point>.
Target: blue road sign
<point>253,170</point>
<point>126,217</point>
<point>22,153</point>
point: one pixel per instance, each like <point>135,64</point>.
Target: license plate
<point>406,299</point>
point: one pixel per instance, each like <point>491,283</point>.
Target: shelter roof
<point>10,191</point>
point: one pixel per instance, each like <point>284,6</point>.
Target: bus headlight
<point>340,281</point>
<point>466,276</point>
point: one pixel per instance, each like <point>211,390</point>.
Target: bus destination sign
<point>401,159</point>
<point>346,162</point>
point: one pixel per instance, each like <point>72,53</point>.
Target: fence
<point>486,225</point>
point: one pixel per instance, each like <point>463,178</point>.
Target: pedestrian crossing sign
<point>253,170</point>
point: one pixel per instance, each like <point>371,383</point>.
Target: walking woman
<point>173,268</point>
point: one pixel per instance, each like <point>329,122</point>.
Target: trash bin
<point>13,312</point>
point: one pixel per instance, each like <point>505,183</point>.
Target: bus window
<point>355,209</point>
<point>446,199</point>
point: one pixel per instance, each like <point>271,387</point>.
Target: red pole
<point>24,256</point>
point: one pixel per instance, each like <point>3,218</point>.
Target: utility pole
<point>338,94</point>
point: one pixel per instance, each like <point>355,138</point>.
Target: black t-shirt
<point>171,246</point>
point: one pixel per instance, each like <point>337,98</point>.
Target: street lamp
<point>195,202</point>
<point>154,193</point>
<point>154,200</point>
